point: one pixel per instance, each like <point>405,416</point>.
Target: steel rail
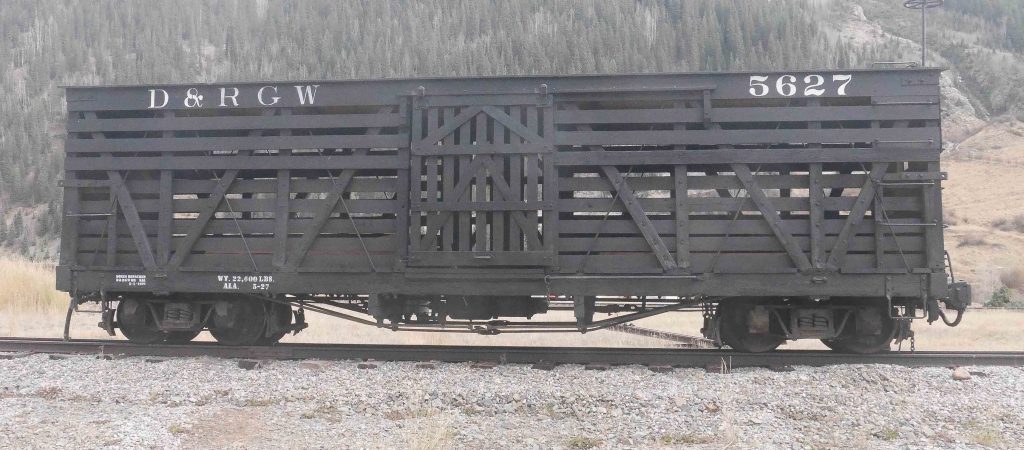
<point>513,355</point>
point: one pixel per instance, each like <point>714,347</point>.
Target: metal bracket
<point>543,97</point>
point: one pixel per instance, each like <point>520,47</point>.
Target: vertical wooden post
<point>682,218</point>
<point>816,199</point>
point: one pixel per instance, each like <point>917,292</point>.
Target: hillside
<point>47,43</point>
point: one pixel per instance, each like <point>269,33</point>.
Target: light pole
<point>922,5</point>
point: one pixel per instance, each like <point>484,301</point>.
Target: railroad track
<point>654,357</point>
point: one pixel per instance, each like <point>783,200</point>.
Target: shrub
<point>972,240</point>
<point>1000,298</point>
<point>1015,223</point>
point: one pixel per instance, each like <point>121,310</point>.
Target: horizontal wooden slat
<point>732,156</point>
<point>236,162</point>
<point>665,225</point>
<point>630,263</point>
<point>252,226</point>
<point>700,181</point>
<point>480,206</point>
<point>145,145</point>
<point>304,121</point>
<point>479,259</point>
<point>911,244</point>
<point>480,149</point>
<point>297,185</point>
<point>711,204</point>
<point>735,137</point>
<point>753,114</point>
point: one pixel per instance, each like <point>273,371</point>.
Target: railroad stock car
<point>780,205</point>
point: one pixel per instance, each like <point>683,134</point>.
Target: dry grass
<point>27,287</point>
<point>1013,278</point>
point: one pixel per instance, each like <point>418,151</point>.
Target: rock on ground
<point>86,402</point>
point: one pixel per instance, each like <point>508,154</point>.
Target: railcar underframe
<point>782,205</point>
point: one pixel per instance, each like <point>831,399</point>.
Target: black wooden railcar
<point>802,204</point>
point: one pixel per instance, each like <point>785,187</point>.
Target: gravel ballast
<point>82,401</point>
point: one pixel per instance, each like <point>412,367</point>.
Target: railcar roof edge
<point>500,77</point>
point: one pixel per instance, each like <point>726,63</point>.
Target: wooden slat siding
<point>682,215</point>
<point>496,167</point>
<point>932,215</point>
<point>489,206</point>
<point>433,173</point>
<point>515,179</point>
<point>744,156</point>
<point>721,182</point>
<point>448,183</point>
<point>532,172</point>
<point>501,189</point>
<point>878,216</point>
<point>480,149</point>
<point>321,216</point>
<point>464,162</point>
<point>732,263</point>
<point>735,244</point>
<point>737,137</point>
<point>263,186</point>
<point>480,234</point>
<point>717,204</point>
<point>206,213</point>
<point>483,99</point>
<point>483,258</point>
<point>260,205</point>
<point>751,114</point>
<point>236,162</point>
<point>703,226</point>
<point>816,202</point>
<point>771,216</point>
<point>550,179</point>
<point>170,123</point>
<point>111,232</point>
<point>166,217</point>
<point>633,206</point>
<point>837,255</point>
<point>70,228</point>
<point>192,144</point>
<point>127,207</point>
<point>468,179</point>
<point>282,216</point>
<point>433,133</point>
<point>166,214</point>
<point>265,245</point>
<point>415,177</point>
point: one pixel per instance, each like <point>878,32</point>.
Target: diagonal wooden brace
<point>131,216</point>
<point>640,218</point>
<point>195,231</point>
<point>322,215</point>
<point>634,208</point>
<point>837,256</point>
<point>771,216</point>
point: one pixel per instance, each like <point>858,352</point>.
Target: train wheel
<point>735,331</point>
<point>181,337</point>
<point>238,322</point>
<point>136,322</point>
<point>854,340</point>
<point>279,317</point>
